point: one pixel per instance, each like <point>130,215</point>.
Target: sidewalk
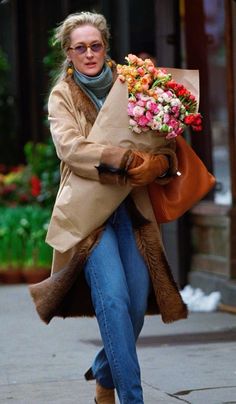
<point>190,361</point>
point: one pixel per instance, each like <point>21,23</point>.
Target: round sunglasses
<point>80,49</point>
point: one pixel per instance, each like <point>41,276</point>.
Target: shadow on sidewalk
<point>180,339</point>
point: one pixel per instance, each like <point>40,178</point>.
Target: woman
<point>119,272</point>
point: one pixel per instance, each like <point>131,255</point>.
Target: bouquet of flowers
<point>143,111</point>
<point>156,101</point>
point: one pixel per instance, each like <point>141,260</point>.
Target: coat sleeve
<point>86,159</point>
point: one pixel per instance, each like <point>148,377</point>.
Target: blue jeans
<point>119,283</point>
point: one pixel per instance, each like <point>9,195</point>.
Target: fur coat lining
<point>65,293</point>
<point>58,295</point>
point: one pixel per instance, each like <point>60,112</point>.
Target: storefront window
<point>216,54</point>
<point>203,46</point>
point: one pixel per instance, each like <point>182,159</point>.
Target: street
<point>190,361</point>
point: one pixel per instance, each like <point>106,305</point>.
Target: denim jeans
<point>119,283</point>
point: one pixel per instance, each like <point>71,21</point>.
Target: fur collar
<point>81,101</point>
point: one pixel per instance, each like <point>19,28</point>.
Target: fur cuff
<point>113,166</point>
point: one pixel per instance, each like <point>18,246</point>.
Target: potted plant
<point>11,247</point>
<point>38,255</point>
<point>24,255</point>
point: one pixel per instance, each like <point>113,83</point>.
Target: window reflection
<point>215,31</point>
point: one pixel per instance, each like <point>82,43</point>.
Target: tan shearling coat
<point>65,293</point>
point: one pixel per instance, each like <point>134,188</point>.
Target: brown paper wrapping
<point>111,125</point>
<point>93,202</point>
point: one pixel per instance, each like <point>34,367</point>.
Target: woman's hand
<point>146,168</point>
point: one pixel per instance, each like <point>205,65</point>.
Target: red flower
<point>195,121</point>
<point>197,128</point>
<point>35,185</point>
<point>8,189</point>
<point>189,119</point>
<point>182,92</point>
<point>16,169</point>
<point>24,198</point>
<point>171,84</point>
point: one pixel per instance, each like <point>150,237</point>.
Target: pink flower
<point>156,101</point>
<point>171,135</point>
<point>137,129</point>
<point>166,118</point>
<point>161,72</point>
<point>138,111</point>
<point>142,121</point>
<point>131,108</point>
<point>141,103</point>
<point>152,106</point>
<point>143,97</point>
<point>179,131</point>
<point>132,122</point>
<point>149,116</point>
<point>155,125</point>
<point>159,90</point>
<point>172,122</point>
<point>155,73</point>
<point>175,111</point>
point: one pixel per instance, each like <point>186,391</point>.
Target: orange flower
<point>131,58</point>
<point>141,71</point>
<point>144,87</point>
<point>130,80</point>
<point>119,69</point>
<point>138,86</point>
<point>139,62</point>
<point>153,93</point>
<point>145,82</point>
<point>133,72</point>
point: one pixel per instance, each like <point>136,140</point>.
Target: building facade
<point>199,34</point>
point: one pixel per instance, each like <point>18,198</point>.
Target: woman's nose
<point>89,53</point>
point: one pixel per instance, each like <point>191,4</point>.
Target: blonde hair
<point>73,21</point>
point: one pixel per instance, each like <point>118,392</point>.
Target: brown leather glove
<point>146,168</point>
<point>136,161</point>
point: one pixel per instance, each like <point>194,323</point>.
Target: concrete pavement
<point>190,361</point>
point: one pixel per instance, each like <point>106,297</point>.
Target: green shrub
<point>22,237</point>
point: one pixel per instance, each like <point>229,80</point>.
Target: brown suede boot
<point>103,395</point>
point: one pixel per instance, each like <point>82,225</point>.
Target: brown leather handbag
<point>172,200</point>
